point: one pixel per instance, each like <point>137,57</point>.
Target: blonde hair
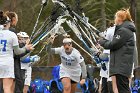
<point>11,15</point>
<point>124,14</point>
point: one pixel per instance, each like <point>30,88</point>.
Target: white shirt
<point>25,65</point>
<point>1,27</point>
<point>109,36</point>
<point>8,39</point>
<point>71,62</point>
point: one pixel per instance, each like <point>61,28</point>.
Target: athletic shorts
<point>63,73</point>
<point>122,83</point>
<point>28,76</point>
<point>7,71</point>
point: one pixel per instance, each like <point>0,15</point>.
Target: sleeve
<point>14,40</point>
<point>57,50</point>
<point>79,57</point>
<point>19,51</point>
<point>84,70</point>
<point>26,60</point>
<point>23,56</point>
<point>118,40</point>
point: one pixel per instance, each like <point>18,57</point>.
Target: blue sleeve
<point>26,60</point>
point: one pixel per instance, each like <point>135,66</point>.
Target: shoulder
<point>125,30</point>
<point>12,33</point>
<point>61,48</point>
<point>75,51</point>
<point>129,26</point>
<point>9,32</point>
<point>124,33</point>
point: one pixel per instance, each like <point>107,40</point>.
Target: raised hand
<point>52,37</point>
<point>29,47</point>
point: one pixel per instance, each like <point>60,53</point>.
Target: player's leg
<point>66,84</point>
<point>1,87</point>
<point>27,80</point>
<point>13,85</point>
<point>25,90</point>
<point>73,86</point>
<point>104,85</point>
<point>114,84</point>
<point>7,85</point>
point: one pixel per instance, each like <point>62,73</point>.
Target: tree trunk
<point>103,15</point>
<point>12,6</point>
<point>133,10</point>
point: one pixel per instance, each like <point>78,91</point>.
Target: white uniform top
<point>109,36</point>
<point>25,65</point>
<point>8,39</point>
<point>28,72</point>
<point>70,64</point>
<point>1,27</point>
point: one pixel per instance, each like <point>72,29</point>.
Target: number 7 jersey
<point>8,39</point>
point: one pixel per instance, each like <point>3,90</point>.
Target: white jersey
<point>70,64</point>
<point>109,36</point>
<point>25,65</point>
<point>1,27</point>
<point>8,39</point>
<point>28,75</point>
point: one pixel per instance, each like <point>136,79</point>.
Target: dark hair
<point>111,23</point>
<point>3,18</point>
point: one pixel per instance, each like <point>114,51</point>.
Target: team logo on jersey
<point>67,59</point>
<point>118,36</point>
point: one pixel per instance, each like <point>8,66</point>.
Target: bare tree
<point>103,15</point>
<point>133,10</point>
<point>12,6</point>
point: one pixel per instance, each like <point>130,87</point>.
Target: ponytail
<point>128,15</point>
<point>11,15</point>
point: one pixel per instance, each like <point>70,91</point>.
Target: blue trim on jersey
<point>26,60</point>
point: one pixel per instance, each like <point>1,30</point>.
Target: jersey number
<point>3,42</point>
<point>67,63</point>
